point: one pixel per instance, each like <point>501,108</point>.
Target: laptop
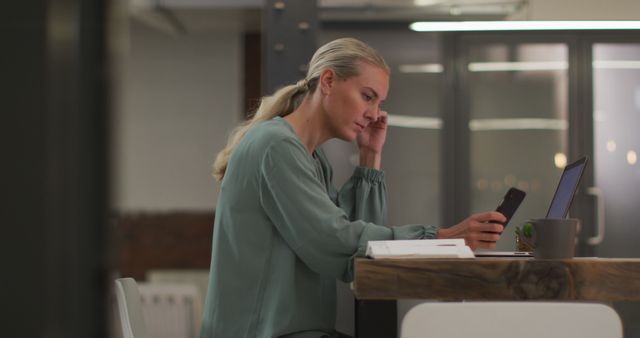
<point>560,203</point>
<point>566,189</point>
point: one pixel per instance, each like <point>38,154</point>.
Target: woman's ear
<point>326,81</point>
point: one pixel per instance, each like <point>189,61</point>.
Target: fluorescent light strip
<point>517,66</point>
<point>424,3</point>
<point>458,26</point>
<point>517,124</point>
<point>406,121</point>
<point>619,64</point>
<point>421,68</point>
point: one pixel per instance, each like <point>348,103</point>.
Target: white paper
<point>419,248</point>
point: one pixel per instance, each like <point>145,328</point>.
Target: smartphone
<point>510,203</point>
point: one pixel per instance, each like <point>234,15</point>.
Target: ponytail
<point>282,103</point>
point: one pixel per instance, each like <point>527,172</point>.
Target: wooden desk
<point>485,279</point>
<point>589,279</point>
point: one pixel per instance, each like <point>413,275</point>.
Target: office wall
<point>179,95</point>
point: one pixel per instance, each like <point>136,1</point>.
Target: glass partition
<point>616,145</point>
<point>411,158</point>
<point>518,125</point>
<point>616,120</point>
<point>412,152</point>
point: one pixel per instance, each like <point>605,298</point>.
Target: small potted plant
<point>523,237</point>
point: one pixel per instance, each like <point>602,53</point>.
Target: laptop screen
<point>561,202</point>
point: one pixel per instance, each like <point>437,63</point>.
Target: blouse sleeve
<point>319,232</point>
<point>364,196</point>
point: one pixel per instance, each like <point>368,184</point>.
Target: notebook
<point>419,248</point>
<point>560,203</point>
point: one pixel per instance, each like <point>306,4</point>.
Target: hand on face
<point>479,231</point>
<point>352,107</point>
<point>372,138</point>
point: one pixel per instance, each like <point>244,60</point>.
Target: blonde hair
<point>342,55</point>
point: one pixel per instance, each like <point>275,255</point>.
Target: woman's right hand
<point>479,231</point>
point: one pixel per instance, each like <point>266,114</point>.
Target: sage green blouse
<point>283,235</point>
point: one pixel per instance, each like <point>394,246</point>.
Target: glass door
<point>411,158</point>
<point>616,147</point>
<point>412,152</point>
<point>518,121</point>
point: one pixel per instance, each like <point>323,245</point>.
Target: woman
<point>282,232</point>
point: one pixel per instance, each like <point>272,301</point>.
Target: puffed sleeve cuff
<point>371,232</point>
<point>369,174</point>
<point>415,231</point>
<point>382,233</point>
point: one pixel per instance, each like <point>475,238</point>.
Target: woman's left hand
<point>372,138</point>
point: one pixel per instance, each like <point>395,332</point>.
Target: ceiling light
<point>423,3</point>
<point>616,64</point>
<point>517,66</point>
<point>632,157</point>
<point>518,124</point>
<point>421,68</point>
<point>458,26</point>
<point>419,122</point>
<point>560,160</point>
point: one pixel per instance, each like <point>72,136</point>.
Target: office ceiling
<point>192,16</point>
<point>408,10</point>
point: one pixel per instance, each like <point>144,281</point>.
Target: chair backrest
<point>511,319</point>
<point>196,277</point>
<point>130,308</point>
<point>171,310</point>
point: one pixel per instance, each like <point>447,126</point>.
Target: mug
<point>554,238</point>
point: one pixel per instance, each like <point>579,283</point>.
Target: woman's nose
<point>372,114</point>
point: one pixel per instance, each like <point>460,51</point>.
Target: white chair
<point>130,308</point>
<point>188,279</point>
<point>171,310</point>
<point>511,319</point>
